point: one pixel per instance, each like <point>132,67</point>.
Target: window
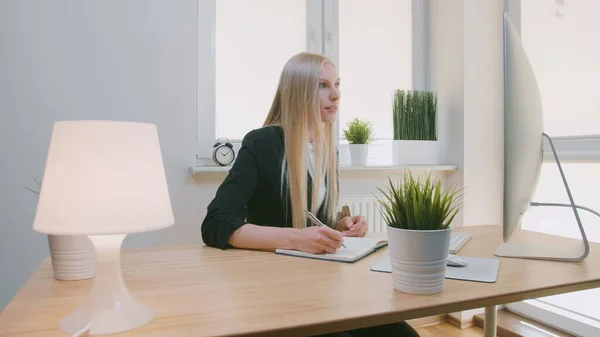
<point>583,181</point>
<point>575,312</point>
<point>565,53</point>
<point>374,60</point>
<point>252,46</point>
<point>243,45</point>
<point>559,40</point>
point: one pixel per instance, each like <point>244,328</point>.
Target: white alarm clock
<point>223,154</point>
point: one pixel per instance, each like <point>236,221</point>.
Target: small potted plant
<point>418,214</point>
<point>415,128</point>
<point>359,134</point>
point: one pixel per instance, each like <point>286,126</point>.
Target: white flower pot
<point>418,259</point>
<point>73,257</point>
<point>359,153</point>
<point>415,152</point>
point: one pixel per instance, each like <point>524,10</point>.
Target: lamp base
<point>110,307</point>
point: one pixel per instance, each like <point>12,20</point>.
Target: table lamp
<point>104,179</point>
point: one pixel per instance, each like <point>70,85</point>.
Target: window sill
<point>512,324</point>
<point>211,169</point>
<point>572,322</point>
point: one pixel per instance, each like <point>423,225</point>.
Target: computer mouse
<point>455,261</point>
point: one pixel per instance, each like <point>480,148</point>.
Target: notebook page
<point>355,247</point>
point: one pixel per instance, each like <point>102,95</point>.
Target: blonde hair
<point>296,110</point>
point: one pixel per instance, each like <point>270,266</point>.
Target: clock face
<point>224,155</point>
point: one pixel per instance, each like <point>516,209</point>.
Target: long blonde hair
<point>296,109</point>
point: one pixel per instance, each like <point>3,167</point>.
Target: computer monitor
<point>523,153</point>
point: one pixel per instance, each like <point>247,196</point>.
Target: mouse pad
<point>478,269</point>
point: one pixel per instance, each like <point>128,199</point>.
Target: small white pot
<point>359,153</point>
<point>418,259</point>
<point>415,152</point>
<point>73,257</point>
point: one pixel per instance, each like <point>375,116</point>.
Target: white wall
<point>483,111</point>
<point>444,68</point>
<point>110,59</point>
<point>465,66</point>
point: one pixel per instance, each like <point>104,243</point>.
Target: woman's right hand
<point>318,240</point>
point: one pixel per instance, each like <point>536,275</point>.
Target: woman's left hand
<point>353,226</point>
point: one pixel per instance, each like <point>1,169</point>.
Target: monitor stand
<point>551,252</point>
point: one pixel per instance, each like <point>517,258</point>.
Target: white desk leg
<point>489,324</point>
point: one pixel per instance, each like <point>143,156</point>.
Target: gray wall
<point>110,59</point>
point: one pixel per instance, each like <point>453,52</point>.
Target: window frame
<point>206,88</point>
<point>569,149</point>
<point>555,317</point>
<point>578,149</point>
<point>322,37</point>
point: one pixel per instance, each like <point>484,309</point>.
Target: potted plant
<point>418,214</point>
<point>72,256</point>
<point>359,134</point>
<point>415,128</point>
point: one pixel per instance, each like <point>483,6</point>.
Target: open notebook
<point>356,249</point>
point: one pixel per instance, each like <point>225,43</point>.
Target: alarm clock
<point>223,153</point>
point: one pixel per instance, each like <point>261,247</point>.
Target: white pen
<point>317,222</point>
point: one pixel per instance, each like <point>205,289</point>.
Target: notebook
<point>356,249</point>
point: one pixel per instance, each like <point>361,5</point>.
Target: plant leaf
<point>418,203</point>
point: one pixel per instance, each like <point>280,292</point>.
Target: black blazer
<point>251,192</point>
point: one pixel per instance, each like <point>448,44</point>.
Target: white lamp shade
<point>103,177</point>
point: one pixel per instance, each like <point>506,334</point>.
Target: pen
<point>317,222</point>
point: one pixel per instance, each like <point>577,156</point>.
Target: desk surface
<point>201,291</point>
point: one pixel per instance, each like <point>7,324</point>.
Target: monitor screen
<point>523,130</point>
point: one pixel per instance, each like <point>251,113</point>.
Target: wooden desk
<point>201,291</point>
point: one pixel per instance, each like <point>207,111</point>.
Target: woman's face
<point>329,92</point>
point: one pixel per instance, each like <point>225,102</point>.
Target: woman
<point>286,167</point>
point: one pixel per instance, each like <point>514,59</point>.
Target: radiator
<point>367,206</point>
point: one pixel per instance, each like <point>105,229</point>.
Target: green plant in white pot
<point>415,128</point>
<point>359,134</point>
<point>418,214</point>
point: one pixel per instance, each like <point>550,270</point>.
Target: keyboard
<point>457,241</point>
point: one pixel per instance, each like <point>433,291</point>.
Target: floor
<point>448,330</point>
